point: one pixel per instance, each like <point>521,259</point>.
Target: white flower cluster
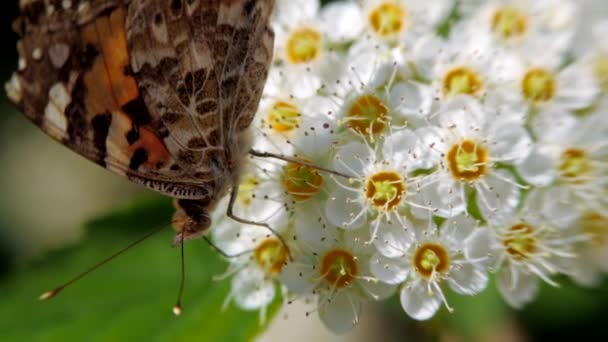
<point>468,140</point>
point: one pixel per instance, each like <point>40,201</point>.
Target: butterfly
<point>159,91</point>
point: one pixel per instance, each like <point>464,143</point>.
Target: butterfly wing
<point>86,82</point>
<point>202,66</point>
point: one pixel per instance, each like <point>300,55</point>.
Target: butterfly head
<point>191,220</point>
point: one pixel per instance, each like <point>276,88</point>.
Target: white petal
<point>556,206</point>
<point>342,20</point>
<point>310,230</point>
<point>516,287</point>
<point>340,312</point>
<point>538,168</point>
<point>468,279</point>
<point>353,159</point>
<point>554,125</point>
<point>577,88</point>
<point>250,290</point>
<point>342,211</point>
<point>463,115</point>
<point>390,271</point>
<point>511,142</point>
<point>393,239</point>
<point>411,99</point>
<point>443,197</point>
<point>480,245</point>
<point>500,198</point>
<point>402,148</point>
<point>294,11</point>
<point>375,288</point>
<point>418,303</point>
<point>300,278</point>
<point>458,228</point>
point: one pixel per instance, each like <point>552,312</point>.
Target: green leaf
<point>129,299</point>
<point>477,315</point>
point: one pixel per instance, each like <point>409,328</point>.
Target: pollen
<point>303,45</point>
<point>339,267</point>
<point>271,255</point>
<point>600,70</point>
<point>431,259</point>
<point>574,165</point>
<point>462,80</point>
<point>596,225</point>
<point>387,19</point>
<point>367,115</point>
<point>509,23</point>
<point>385,190</point>
<point>284,117</point>
<point>520,241</point>
<point>301,182</point>
<point>467,160</point>
<point>247,189</point>
<point>538,85</point>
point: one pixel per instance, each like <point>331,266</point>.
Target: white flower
<point>455,254</point>
<point>466,145</point>
<point>591,262</point>
<point>334,266</point>
<point>287,122</point>
<point>381,186</point>
<point>597,58</point>
<point>531,245</point>
<point>370,98</point>
<point>304,37</point>
<point>256,258</point>
<point>570,154</point>
<point>541,83</point>
<point>403,21</point>
<point>545,27</point>
<point>457,66</point>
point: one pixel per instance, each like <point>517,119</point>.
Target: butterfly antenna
<point>177,308</point>
<point>57,290</point>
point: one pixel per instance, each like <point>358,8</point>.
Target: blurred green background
<point>60,213</point>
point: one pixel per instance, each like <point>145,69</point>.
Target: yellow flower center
<point>247,189</point>
<point>284,117</point>
<point>467,160</point>
<point>509,22</point>
<point>367,115</point>
<point>538,85</point>
<point>600,70</point>
<point>385,190</point>
<point>431,258</point>
<point>519,241</point>
<point>462,80</point>
<point>303,45</point>
<point>271,255</point>
<point>596,225</point>
<point>387,19</point>
<point>574,165</point>
<point>301,182</point>
<point>339,268</point>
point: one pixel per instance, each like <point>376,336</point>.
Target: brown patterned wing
<point>201,66</point>
<point>83,82</point>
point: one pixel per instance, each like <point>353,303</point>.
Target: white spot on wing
<point>54,113</point>
<point>59,54</point>
<point>13,88</point>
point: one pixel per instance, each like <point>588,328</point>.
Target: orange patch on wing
<point>158,155</point>
<point>119,150</point>
<point>109,87</point>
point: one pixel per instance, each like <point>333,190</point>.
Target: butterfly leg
<point>230,213</point>
<point>296,161</point>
